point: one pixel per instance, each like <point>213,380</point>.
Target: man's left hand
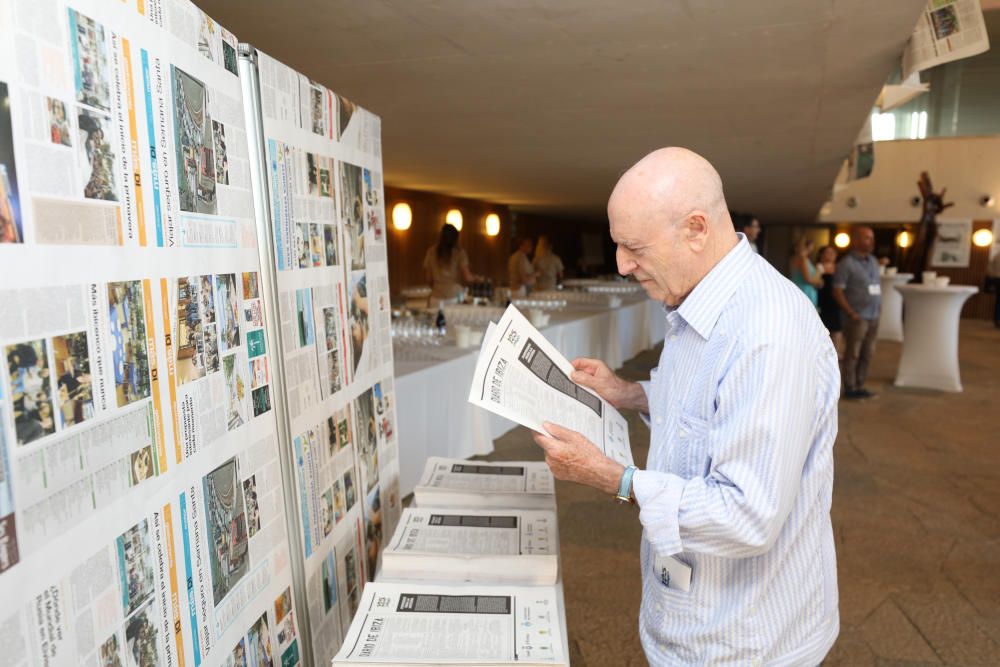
<point>571,457</point>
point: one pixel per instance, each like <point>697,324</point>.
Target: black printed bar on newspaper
<point>488,470</point>
<point>454,604</point>
<point>539,363</point>
<point>466,521</point>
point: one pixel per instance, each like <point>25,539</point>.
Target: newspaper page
<point>327,216</point>
<point>476,532</point>
<point>141,513</point>
<point>423,624</point>
<point>947,30</point>
<point>485,477</point>
<point>521,376</point>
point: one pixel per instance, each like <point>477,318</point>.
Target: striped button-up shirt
<point>743,413</point>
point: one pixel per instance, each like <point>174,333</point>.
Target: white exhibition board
<point>143,515</point>
<point>326,218</point>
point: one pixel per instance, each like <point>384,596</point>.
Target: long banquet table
<point>432,383</point>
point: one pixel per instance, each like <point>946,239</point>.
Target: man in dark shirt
<point>857,290</point>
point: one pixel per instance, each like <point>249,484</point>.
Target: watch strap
<point>625,485</point>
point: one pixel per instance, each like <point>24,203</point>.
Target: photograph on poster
<point>141,465</point>
<point>318,108</point>
<point>312,171</point>
<point>316,249</point>
<point>130,354</point>
<point>286,633</point>
<point>339,502</point>
<point>59,132</point>
<point>140,639</point>
<point>235,391</point>
<point>255,343</point>
<point>258,373</point>
<point>194,144</point>
<point>325,179</point>
<point>333,371</point>
<point>91,71</point>
<point>253,313</point>
<point>228,304</point>
<point>367,438</point>
<point>945,21</point>
<point>253,509</point>
<point>195,310</point>
<point>73,382</point>
<point>96,157</point>
<point>221,156</point>
<point>352,213</point>
<point>344,434</point>
<point>135,567</point>
<point>373,530</point>
<point>345,110</point>
<point>259,643</point>
<point>261,400</point>
<point>283,604</point>
<point>238,656</point>
<point>9,555</point>
<point>350,495</point>
<point>206,36</point>
<point>358,319</point>
<point>373,204</point>
<point>11,230</point>
<point>304,316</point>
<point>30,378</point>
<point>211,343</point>
<point>331,330</point>
<point>300,237</point>
<point>329,582</point>
<point>351,572</point>
<point>326,517</point>
<point>330,244</point>
<point>227,528</point>
<point>109,654</point>
<point>251,288</point>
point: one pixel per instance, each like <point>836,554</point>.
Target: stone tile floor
<point>916,511</point>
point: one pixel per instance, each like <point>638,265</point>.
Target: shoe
<point>854,394</point>
<point>864,393</point>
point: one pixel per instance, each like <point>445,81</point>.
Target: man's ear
<point>696,230</point>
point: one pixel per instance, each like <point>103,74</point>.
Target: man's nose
<point>625,265</point>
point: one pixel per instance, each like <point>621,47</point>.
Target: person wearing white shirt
<point>519,269</point>
<point>548,267</point>
<point>737,554</point>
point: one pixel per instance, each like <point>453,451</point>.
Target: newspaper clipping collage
<point>143,518</point>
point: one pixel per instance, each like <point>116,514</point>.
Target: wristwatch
<point>625,486</point>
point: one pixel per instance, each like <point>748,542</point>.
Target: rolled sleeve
<point>659,497</point>
<point>647,388</point>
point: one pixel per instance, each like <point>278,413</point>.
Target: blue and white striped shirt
<point>743,412</point>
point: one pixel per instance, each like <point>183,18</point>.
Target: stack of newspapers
<point>471,575</point>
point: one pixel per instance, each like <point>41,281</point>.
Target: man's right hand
<point>596,376</point>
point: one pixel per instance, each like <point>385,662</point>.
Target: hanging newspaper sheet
<point>141,512</point>
<point>947,30</point>
<point>327,225</point>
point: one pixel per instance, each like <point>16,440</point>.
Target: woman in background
<point>803,272</point>
<point>447,266</point>
<point>829,311</point>
<point>548,266</point>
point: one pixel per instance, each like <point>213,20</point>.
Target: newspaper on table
<point>947,30</point>
<point>521,376</point>
<point>484,484</point>
<point>434,624</point>
<point>486,546</point>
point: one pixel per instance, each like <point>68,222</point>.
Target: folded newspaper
<point>521,376</point>
<point>461,483</point>
<point>486,546</point>
<point>436,624</point>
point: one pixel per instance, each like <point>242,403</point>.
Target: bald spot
<point>668,184</point>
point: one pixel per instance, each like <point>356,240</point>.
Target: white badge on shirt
<point>672,573</point>
<point>875,289</point>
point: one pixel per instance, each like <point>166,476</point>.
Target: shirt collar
<point>702,307</point>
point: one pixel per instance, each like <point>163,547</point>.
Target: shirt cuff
<point>644,416</point>
<point>659,497</point>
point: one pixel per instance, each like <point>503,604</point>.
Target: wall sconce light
<point>492,224</point>
<point>904,239</point>
<point>842,240</point>
<point>982,238</point>
<point>987,201</point>
<point>454,218</point>
<point>402,216</point>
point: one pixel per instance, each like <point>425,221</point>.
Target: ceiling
<point>542,104</point>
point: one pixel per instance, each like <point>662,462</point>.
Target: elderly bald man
<point>738,563</point>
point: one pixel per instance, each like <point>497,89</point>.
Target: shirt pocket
<point>692,459</point>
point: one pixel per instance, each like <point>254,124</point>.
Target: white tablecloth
<point>930,336</point>
<point>432,384</point>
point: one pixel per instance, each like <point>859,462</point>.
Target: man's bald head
<point>670,183</point>
<point>669,218</point>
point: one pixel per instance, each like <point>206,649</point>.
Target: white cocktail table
<point>890,321</point>
<point>930,336</point>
